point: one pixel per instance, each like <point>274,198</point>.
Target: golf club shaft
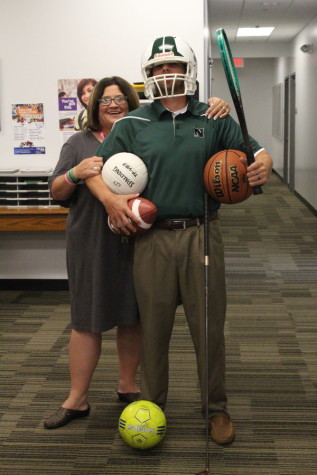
<point>206,246</point>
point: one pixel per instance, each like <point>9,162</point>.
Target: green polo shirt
<point>175,151</point>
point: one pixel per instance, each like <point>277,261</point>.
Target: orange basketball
<point>225,177</point>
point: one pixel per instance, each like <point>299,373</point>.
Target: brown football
<point>146,211</point>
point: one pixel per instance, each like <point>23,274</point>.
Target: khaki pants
<point>166,264</point>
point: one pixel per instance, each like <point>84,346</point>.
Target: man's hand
<point>260,170</point>
<point>121,218</point>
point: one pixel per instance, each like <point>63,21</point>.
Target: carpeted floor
<point>271,332</point>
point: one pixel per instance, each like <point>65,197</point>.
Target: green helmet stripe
<point>164,44</point>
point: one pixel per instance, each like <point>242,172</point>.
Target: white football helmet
<point>168,49</point>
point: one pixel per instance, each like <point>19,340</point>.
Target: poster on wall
<point>73,96</point>
<point>28,129</point>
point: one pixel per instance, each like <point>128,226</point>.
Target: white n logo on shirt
<point>199,133</point>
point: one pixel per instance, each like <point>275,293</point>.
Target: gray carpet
<point>271,331</point>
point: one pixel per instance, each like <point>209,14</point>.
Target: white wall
<point>304,65</point>
<point>284,66</point>
<point>256,80</point>
<point>306,117</point>
<point>42,41</point>
<point>32,255</point>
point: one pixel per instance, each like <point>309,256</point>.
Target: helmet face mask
<point>168,49</point>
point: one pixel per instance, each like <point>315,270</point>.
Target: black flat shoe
<point>64,416</point>
<point>129,397</point>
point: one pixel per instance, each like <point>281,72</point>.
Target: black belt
<point>179,224</point>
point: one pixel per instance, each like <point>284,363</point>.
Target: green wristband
<point>72,176</point>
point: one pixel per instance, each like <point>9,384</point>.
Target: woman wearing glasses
<point>99,262</point>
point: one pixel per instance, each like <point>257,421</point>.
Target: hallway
<point>271,334</point>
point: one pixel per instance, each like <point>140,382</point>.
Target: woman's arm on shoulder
<point>218,108</point>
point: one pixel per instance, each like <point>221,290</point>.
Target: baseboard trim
<point>34,284</point>
<point>305,202</point>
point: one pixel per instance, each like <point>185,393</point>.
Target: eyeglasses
<point>106,101</point>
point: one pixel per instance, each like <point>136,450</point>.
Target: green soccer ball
<point>142,425</point>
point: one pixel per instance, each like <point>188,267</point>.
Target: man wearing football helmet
<point>175,139</point>
<point>159,80</point>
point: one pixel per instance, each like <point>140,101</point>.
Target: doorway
<point>289,130</point>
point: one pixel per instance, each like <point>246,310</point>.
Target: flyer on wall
<point>73,96</point>
<point>28,129</point>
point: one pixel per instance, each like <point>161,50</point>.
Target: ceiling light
<point>269,5</point>
<point>257,31</point>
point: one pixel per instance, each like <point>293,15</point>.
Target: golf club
<point>206,268</point>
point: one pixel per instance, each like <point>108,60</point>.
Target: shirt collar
<point>193,107</point>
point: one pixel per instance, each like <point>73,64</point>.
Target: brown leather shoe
<point>129,397</point>
<point>222,430</point>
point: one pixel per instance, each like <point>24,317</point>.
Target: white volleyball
<point>125,173</point>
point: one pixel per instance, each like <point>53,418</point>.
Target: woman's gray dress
<point>99,263</point>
